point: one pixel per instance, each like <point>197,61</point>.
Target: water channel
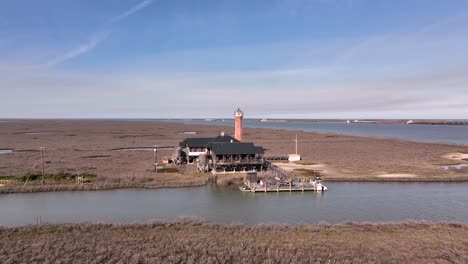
<point>425,133</point>
<point>374,202</point>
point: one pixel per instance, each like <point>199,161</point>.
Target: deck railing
<point>281,173</point>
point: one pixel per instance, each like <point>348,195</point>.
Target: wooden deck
<point>302,188</point>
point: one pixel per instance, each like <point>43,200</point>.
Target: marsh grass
<point>169,170</point>
<point>305,163</point>
<point>391,231</point>
<point>308,172</point>
<point>60,177</point>
<point>36,231</point>
<point>67,182</point>
<point>96,156</point>
<point>229,179</point>
<point>191,241</point>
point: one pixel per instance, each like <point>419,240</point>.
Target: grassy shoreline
<point>194,181</point>
<point>196,242</point>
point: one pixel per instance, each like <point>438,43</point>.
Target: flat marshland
<point>89,148</point>
<point>192,242</point>
<point>74,147</point>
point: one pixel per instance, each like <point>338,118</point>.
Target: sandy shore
<point>87,147</point>
<point>191,242</point>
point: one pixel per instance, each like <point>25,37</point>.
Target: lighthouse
<point>238,125</point>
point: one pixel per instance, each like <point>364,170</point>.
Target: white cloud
<point>390,76</point>
<point>98,37</point>
<point>55,93</point>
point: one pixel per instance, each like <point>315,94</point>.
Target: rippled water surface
<point>343,202</point>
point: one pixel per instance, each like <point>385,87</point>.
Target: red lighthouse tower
<point>238,126</point>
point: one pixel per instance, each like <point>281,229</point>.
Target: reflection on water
<point>143,149</point>
<point>6,151</point>
<point>38,133</point>
<point>188,132</point>
<point>344,201</point>
<point>456,166</point>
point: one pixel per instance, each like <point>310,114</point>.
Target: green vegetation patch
<point>51,231</point>
<point>168,170</point>
<point>305,163</point>
<point>38,177</point>
<point>391,231</point>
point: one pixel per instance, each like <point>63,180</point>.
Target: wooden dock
<point>283,181</point>
<point>279,172</point>
<point>281,189</point>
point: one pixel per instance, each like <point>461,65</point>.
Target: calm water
<point>344,201</point>
<point>6,151</point>
<point>39,133</point>
<point>144,149</point>
<point>425,133</point>
<point>455,167</point>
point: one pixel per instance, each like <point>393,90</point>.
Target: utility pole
<point>42,163</point>
<point>156,158</point>
<point>295,140</point>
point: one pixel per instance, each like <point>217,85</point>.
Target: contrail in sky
<point>98,37</point>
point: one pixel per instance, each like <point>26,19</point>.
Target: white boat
<point>264,120</point>
<point>317,183</point>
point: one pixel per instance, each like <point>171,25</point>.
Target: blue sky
<point>276,58</point>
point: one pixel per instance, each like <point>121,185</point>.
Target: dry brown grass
<point>89,150</point>
<point>229,179</point>
<point>308,172</point>
<point>154,181</point>
<point>194,242</point>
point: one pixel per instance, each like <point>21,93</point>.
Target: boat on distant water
<point>347,121</point>
<point>264,120</point>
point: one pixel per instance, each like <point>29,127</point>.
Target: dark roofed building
<point>195,142</point>
<point>206,142</point>
<point>194,147</point>
<point>236,149</point>
<point>223,154</point>
<point>236,156</point>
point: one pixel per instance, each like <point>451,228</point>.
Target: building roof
<point>206,142</point>
<point>236,148</point>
